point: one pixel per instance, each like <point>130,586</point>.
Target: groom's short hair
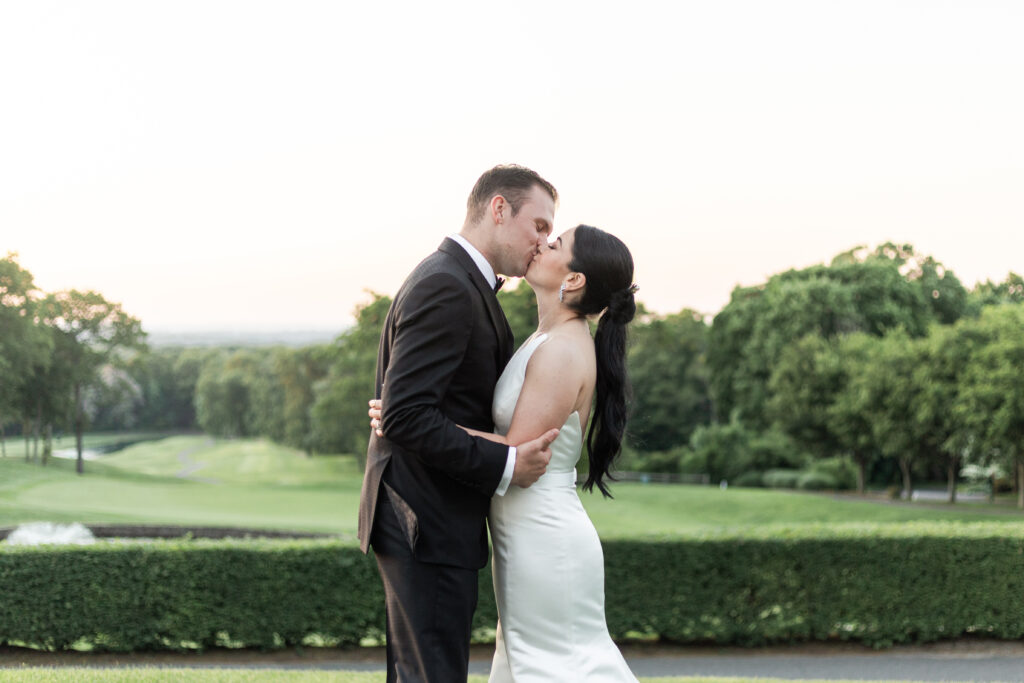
<point>512,182</point>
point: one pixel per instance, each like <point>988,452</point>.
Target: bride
<point>548,566</point>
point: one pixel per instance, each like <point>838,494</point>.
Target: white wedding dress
<point>548,566</point>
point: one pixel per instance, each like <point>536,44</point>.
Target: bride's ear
<point>575,282</point>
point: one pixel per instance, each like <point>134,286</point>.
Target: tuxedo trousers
<point>429,607</point>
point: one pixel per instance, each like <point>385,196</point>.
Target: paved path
<point>190,466</point>
<point>965,660</point>
<point>999,663</point>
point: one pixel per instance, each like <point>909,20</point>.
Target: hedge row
<point>878,584</point>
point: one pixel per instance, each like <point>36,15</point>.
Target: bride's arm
<point>490,436</point>
<point>375,411</point>
<point>554,380</point>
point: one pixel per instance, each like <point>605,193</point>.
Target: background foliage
<point>881,358</point>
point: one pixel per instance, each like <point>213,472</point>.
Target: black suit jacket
<point>445,342</point>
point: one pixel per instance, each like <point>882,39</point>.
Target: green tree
<point>338,414</point>
<point>847,421</point>
<point>298,371</point>
<point>24,346</point>
<point>802,388</point>
<point>168,378</point>
<point>890,289</point>
<point>520,306</point>
<point>990,404</point>
<point>726,451</point>
<point>988,293</point>
<point>223,397</point>
<point>944,356</point>
<point>89,332</point>
<point>886,391</point>
<point>671,396</point>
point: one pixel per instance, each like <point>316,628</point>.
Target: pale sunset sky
<point>236,165</point>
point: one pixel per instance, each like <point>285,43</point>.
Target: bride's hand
<point>374,412</point>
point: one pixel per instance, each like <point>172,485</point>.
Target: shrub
<point>749,479</point>
<point>654,461</point>
<point>877,584</point>
<point>816,481</point>
<point>781,479</point>
<point>729,450</point>
<point>774,449</point>
<point>842,471</point>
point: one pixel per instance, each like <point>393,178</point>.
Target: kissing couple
<point>466,432</point>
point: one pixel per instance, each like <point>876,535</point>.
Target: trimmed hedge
<point>878,584</point>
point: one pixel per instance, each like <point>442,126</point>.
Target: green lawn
<point>250,483</point>
<point>255,483</point>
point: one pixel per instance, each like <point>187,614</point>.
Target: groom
<point>428,484</point>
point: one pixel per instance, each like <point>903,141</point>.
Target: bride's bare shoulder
<point>566,349</point>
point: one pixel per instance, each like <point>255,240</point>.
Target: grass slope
<point>249,483</point>
<point>197,480</point>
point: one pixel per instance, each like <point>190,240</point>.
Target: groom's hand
<point>374,413</point>
<point>532,458</point>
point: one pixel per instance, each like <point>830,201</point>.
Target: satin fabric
<point>547,564</point>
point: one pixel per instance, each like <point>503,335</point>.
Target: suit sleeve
<point>431,335</point>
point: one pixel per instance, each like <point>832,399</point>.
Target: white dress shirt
<point>488,272</point>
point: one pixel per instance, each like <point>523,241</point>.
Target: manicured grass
<point>653,509</point>
<point>15,447</point>
<point>256,483</point>
<point>161,675</point>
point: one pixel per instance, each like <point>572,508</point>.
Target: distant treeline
<point>881,359</point>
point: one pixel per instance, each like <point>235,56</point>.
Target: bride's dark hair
<point>608,267</point>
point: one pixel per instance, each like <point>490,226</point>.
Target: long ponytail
<point>608,267</point>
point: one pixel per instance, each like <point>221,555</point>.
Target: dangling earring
<point>561,293</point>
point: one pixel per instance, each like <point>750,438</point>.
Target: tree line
<point>877,367</point>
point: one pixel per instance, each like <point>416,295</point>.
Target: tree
<point>728,450</point>
<point>298,372</point>
<point>671,396</point>
<point>887,393</point>
<point>520,306</point>
<point>802,388</point>
<point>890,289</point>
<point>89,332</point>
<point>847,420</point>
<point>168,378</point>
<point>338,414</point>
<point>24,346</point>
<point>988,293</point>
<point>990,404</point>
<point>223,397</point>
<point>944,355</point>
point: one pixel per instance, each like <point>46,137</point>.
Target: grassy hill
<point>197,480</point>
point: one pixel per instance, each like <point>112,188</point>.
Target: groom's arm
<point>430,339</point>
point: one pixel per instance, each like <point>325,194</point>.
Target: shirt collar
<point>478,259</point>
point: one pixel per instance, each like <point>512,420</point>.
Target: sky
<point>223,165</point>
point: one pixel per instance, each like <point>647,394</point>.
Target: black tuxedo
<point>428,484</point>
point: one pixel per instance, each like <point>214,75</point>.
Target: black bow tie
<point>498,283</point>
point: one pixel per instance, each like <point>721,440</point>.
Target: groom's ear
<point>499,209</point>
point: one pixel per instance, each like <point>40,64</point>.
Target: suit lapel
<point>501,328</point>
